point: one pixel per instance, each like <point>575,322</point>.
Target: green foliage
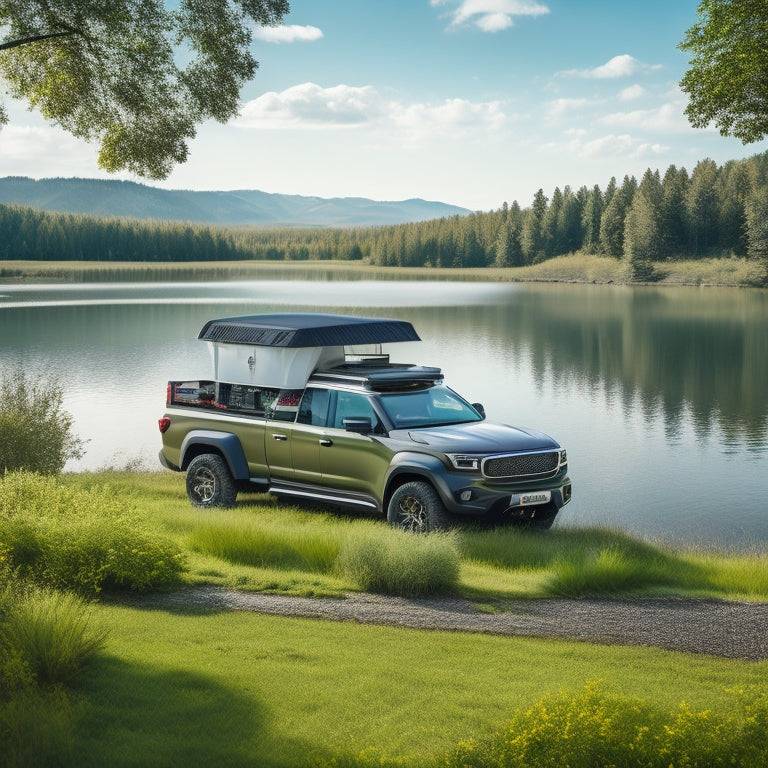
<point>48,633</point>
<point>727,79</point>
<point>376,558</point>
<point>393,562</point>
<point>594,729</point>
<point>664,219</point>
<point>757,230</point>
<point>135,77</point>
<point>85,539</point>
<point>45,639</point>
<point>37,729</point>
<point>27,233</point>
<point>35,431</point>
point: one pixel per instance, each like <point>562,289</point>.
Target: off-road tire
<point>416,507</point>
<point>210,483</point>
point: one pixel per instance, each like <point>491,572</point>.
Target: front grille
<point>522,465</point>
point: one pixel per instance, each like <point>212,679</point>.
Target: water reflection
<point>658,394</point>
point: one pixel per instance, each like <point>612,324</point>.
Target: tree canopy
<point>727,80</point>
<point>134,76</point>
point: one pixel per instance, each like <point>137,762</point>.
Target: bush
<point>392,562</point>
<point>48,633</point>
<point>35,433</point>
<point>593,729</point>
<point>81,539</point>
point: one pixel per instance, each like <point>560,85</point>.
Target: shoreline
<point>577,269</point>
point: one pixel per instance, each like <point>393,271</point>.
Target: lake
<point>659,394</point>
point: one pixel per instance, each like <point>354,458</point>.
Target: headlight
<point>465,462</point>
<point>563,457</point>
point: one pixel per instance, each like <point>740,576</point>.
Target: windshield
<point>427,408</point>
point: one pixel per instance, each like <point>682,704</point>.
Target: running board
<point>323,494</point>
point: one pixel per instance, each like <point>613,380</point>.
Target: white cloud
<point>668,118</point>
<point>557,108</point>
<point>619,66</point>
<point>621,146</point>
<point>492,15</point>
<point>453,115</point>
<point>310,106</point>
<point>607,145</point>
<point>632,92</point>
<point>288,33</point>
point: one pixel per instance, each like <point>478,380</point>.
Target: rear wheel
<point>416,507</point>
<point>210,483</point>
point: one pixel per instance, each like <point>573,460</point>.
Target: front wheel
<point>210,483</point>
<point>416,507</point>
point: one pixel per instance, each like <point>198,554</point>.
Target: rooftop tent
<point>282,350</point>
<point>306,330</point>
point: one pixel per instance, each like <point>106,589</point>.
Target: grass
<point>49,632</point>
<point>578,267</point>
<point>243,690</point>
<point>265,546</point>
<point>200,687</point>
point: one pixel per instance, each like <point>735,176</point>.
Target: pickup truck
<point>292,411</point>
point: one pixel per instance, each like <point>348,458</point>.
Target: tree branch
<point>34,39</point>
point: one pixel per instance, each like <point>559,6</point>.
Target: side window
<point>313,408</point>
<point>354,405</point>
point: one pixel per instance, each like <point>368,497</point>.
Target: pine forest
<point>713,211</point>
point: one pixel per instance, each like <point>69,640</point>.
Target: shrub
<point>84,539</point>
<point>35,432</point>
<point>392,562</point>
<point>593,729</point>
<point>48,632</point>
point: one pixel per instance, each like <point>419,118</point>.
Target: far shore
<point>575,268</point>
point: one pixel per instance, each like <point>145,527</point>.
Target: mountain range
<point>248,207</point>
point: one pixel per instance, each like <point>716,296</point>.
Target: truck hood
<point>482,437</point>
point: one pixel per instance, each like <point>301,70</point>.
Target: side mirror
<point>479,408</point>
<point>362,426</point>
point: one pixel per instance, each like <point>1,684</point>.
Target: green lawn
<point>192,688</point>
<point>195,687</point>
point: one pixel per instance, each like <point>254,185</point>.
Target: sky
<point>468,102</point>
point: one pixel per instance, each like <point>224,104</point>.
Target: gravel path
<point>735,630</point>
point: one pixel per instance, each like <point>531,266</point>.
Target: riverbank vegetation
<point>77,679</point>
<point>646,227</point>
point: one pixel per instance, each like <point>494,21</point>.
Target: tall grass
<point>589,561</point>
<point>392,562</point>
<point>49,632</point>
<point>249,541</point>
<point>374,557</point>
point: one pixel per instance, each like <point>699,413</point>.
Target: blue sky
<point>471,102</point>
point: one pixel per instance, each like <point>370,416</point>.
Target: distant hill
<point>98,197</point>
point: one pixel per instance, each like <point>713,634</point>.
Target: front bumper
<point>483,499</point>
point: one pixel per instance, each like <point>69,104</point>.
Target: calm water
<point>659,395</point>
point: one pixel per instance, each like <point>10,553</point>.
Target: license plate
<point>528,499</point>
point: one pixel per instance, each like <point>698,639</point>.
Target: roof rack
<point>393,376</point>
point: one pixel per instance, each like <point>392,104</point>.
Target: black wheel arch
<point>408,473</point>
<point>225,444</point>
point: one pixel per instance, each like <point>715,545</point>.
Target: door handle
<point>326,441</point>
<point>278,436</point>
